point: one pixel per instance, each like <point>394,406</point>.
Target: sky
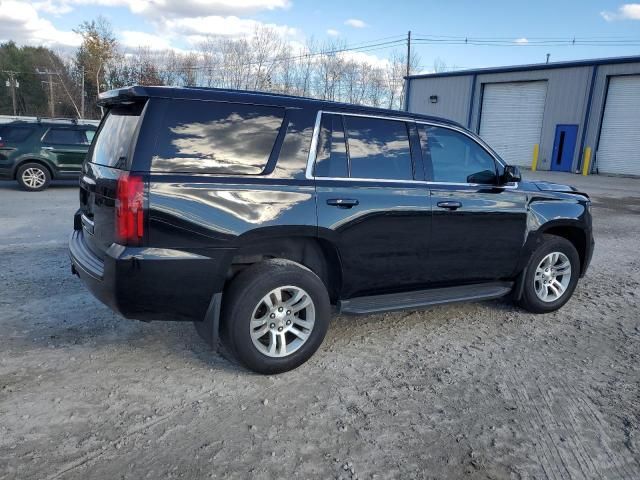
<point>182,24</point>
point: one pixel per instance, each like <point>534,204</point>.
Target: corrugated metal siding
<point>605,72</point>
<point>511,119</point>
<point>619,147</point>
<point>454,96</point>
<point>567,93</point>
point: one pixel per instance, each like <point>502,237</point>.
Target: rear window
<point>15,134</point>
<point>216,137</point>
<point>113,143</point>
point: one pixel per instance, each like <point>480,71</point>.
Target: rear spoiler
<point>121,95</point>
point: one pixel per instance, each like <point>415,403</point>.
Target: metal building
<point>581,116</point>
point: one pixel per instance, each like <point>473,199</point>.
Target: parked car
<point>34,152</point>
<point>254,215</point>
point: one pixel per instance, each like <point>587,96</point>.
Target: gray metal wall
<point>566,103</point>
<point>454,97</point>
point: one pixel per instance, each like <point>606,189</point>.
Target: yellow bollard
<point>586,161</point>
<point>534,163</point>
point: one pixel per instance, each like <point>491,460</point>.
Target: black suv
<point>253,214</point>
<point>34,152</point>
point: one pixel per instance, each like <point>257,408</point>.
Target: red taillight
<point>130,209</point>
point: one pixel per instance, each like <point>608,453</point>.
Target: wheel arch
<point>574,233</point>
<point>317,254</point>
<point>37,160</point>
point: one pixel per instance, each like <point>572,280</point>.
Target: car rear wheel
<point>552,275</point>
<point>275,315</point>
<point>33,177</point>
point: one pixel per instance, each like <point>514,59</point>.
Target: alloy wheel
<point>552,277</point>
<point>282,321</point>
<point>34,177</point>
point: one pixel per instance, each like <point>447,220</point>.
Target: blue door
<point>564,147</point>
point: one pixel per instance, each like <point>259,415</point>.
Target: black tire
<point>245,294</point>
<point>36,170</point>
<point>530,300</point>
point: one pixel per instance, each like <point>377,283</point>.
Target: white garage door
<point>619,147</point>
<point>511,119</point>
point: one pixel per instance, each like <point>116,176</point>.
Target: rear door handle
<point>342,202</point>
<point>450,205</point>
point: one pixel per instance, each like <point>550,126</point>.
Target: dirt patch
<point>478,390</point>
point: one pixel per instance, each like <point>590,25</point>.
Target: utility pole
<point>51,100</point>
<point>13,84</point>
<point>409,53</point>
<point>49,75</point>
<point>548,55</point>
<point>82,96</point>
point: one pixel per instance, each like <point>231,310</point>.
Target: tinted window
<point>115,135</point>
<point>331,160</point>
<point>378,148</point>
<point>67,136</point>
<point>14,134</point>
<point>455,157</point>
<point>213,137</point>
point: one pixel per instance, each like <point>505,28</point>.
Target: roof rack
<point>62,120</point>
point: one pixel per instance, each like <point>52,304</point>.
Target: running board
<point>423,298</point>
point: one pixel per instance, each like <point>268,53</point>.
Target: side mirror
<point>511,174</point>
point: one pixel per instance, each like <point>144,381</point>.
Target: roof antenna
<point>548,55</point>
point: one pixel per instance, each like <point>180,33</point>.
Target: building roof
<point>244,96</point>
<point>534,66</point>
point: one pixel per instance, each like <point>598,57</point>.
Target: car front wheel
<point>33,177</point>
<point>552,275</point>
<point>275,316</point>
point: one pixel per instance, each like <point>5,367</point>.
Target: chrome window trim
<point>311,159</point>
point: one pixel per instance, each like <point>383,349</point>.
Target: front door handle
<point>342,202</point>
<point>450,205</point>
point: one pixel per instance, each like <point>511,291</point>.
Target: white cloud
<point>333,33</point>
<point>176,8</point>
<point>197,28</point>
<point>355,23</point>
<point>521,41</point>
<point>134,39</point>
<point>628,11</point>
<point>52,7</point>
<point>363,57</point>
<point>21,23</point>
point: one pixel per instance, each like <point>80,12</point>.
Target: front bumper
<point>150,283</point>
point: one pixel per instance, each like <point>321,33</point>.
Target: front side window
<point>378,148</point>
<point>216,137</point>
<point>455,157</point>
<point>65,136</point>
<point>89,134</point>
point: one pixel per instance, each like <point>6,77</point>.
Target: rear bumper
<point>150,283</point>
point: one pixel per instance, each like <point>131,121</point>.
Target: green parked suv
<point>34,152</point>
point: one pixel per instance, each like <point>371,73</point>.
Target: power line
<point>526,41</point>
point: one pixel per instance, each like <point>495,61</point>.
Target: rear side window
<point>378,148</point>
<point>65,136</point>
<point>15,134</point>
<point>455,157</point>
<point>331,160</point>
<point>216,137</point>
<point>115,136</point>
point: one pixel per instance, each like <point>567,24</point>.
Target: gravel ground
<point>477,391</point>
